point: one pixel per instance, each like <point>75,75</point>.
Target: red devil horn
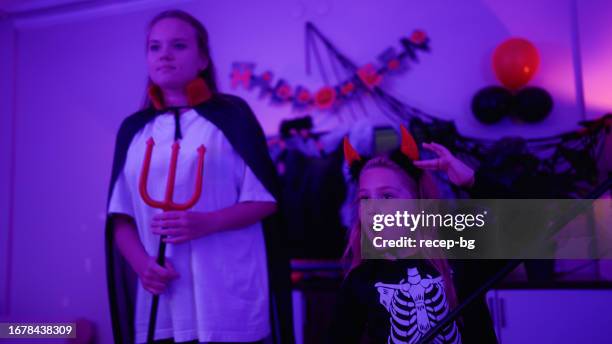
<point>350,154</point>
<point>408,147</point>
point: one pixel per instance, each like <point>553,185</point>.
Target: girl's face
<point>173,56</point>
<point>383,183</point>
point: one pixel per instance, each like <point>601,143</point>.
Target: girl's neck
<point>174,97</point>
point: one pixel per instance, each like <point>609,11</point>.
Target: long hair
<point>424,187</point>
<point>208,74</point>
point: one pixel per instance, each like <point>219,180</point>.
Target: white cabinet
<point>552,315</point>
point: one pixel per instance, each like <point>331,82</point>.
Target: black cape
<point>236,120</point>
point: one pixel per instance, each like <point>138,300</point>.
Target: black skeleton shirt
<point>398,301</point>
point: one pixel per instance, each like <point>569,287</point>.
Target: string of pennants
<point>366,78</point>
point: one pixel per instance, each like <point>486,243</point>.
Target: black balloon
<point>533,104</point>
<point>491,104</point>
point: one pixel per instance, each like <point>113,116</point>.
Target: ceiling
<point>20,6</point>
<point>25,8</point>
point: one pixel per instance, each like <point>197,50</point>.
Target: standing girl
<point>215,286</point>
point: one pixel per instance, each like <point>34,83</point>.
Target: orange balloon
<point>515,61</point>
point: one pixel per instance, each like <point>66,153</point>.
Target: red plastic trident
<point>167,205</point>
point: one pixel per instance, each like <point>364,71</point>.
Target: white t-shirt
<point>222,292</point>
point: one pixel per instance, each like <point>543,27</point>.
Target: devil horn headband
<point>408,147</point>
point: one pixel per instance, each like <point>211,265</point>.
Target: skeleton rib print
<point>415,305</point>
